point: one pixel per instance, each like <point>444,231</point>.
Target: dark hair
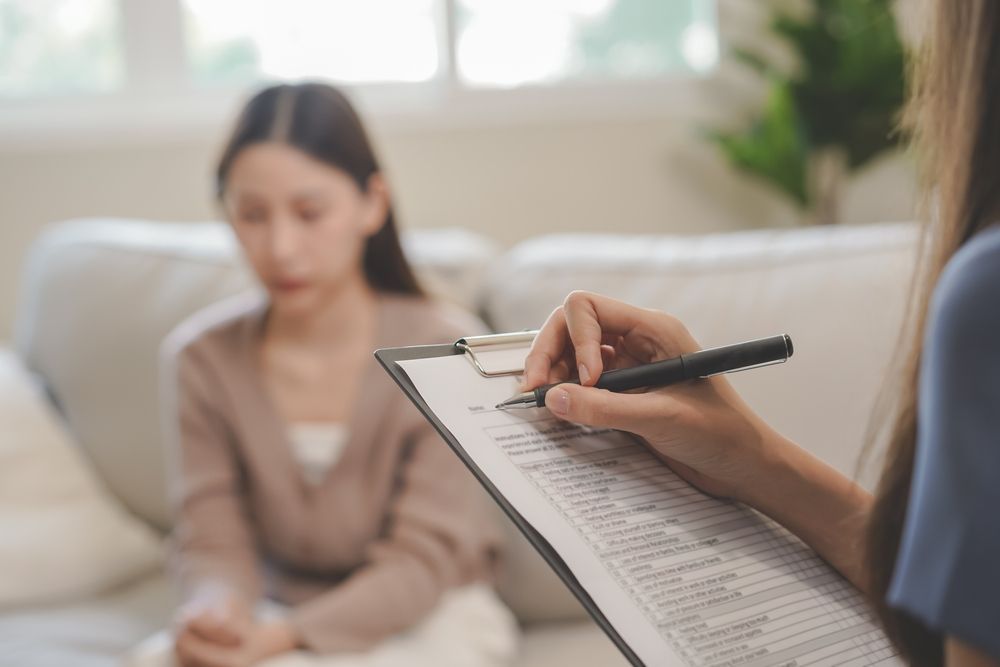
<point>955,114</point>
<point>320,121</point>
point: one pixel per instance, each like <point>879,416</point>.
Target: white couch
<point>98,296</point>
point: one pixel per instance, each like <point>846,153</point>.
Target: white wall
<point>643,172</point>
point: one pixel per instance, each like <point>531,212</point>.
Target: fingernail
<point>557,400</point>
<point>584,373</point>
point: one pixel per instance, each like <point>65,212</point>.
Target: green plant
<point>834,111</point>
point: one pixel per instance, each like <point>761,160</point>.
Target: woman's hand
<point>702,428</point>
<point>262,640</point>
<point>216,615</point>
<point>217,629</point>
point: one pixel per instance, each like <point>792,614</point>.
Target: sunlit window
<point>511,42</point>
<point>349,41</point>
<point>77,47</point>
<point>57,47</point>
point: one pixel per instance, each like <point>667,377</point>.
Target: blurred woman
<point>302,475</point>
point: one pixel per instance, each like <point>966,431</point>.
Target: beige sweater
<point>362,556</point>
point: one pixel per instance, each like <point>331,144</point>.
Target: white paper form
<point>684,579</point>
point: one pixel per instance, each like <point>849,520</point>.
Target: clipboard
<point>475,347</point>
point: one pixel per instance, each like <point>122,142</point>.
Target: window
<point>366,41</point>
<point>497,43</point>
<point>513,42</point>
<point>173,63</point>
<point>59,47</point>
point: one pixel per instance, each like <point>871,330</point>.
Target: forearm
<point>822,507</point>
<point>197,571</point>
<point>378,601</point>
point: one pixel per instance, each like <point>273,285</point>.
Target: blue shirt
<point>948,569</point>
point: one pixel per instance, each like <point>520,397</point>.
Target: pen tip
<point>500,406</point>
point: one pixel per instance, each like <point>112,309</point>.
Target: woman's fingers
<point>215,618</point>
<point>214,627</point>
<point>546,350</point>
<point>193,651</point>
<point>560,371</point>
<point>586,332</point>
<point>609,358</point>
<point>606,409</point>
<point>593,320</point>
<point>576,331</point>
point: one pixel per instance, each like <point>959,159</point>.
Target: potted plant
<point>831,113</point>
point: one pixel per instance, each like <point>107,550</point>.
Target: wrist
<point>219,594</point>
<point>774,475</point>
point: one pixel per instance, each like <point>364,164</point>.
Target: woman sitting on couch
<point>301,473</point>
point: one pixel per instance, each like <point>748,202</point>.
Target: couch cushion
<point>98,296</point>
<point>95,633</point>
<point>62,536</point>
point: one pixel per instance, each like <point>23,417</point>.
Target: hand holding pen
<point>691,366</point>
<point>704,429</point>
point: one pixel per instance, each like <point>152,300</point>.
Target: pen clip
<point>746,368</point>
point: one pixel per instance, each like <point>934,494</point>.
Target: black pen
<point>702,364</point>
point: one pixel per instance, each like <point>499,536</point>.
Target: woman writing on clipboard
<point>930,560</point>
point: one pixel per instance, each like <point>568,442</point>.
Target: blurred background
<point>512,118</point>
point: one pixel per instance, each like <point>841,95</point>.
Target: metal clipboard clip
<point>497,355</point>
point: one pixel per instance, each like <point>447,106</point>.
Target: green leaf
<point>773,148</point>
<point>752,60</point>
<point>845,93</point>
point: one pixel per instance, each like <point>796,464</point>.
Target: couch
<point>97,297</point>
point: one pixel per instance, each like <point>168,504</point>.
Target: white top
<point>317,446</point>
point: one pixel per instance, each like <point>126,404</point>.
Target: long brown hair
<point>954,114</point>
<point>320,121</point>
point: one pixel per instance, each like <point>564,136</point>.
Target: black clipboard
<point>387,358</point>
